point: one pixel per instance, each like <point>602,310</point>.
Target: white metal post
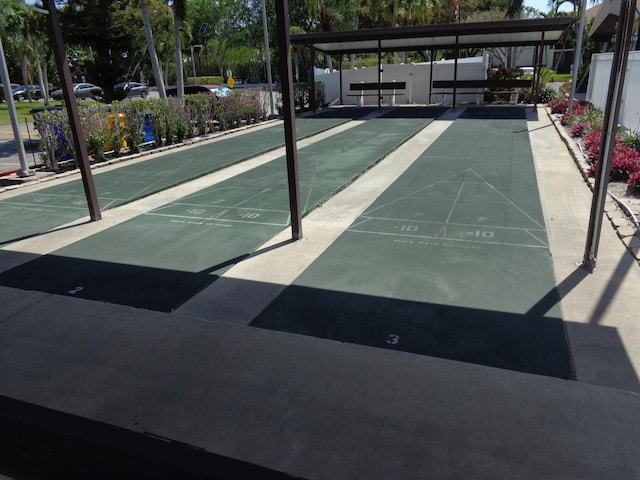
<point>24,170</point>
<point>267,55</point>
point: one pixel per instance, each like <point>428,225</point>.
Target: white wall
<point>598,87</point>
<point>417,79</point>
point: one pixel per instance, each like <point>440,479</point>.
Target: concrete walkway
<point>319,409</point>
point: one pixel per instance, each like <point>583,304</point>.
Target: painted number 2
<point>73,291</point>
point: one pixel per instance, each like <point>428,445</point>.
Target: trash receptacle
<point>111,125</point>
<point>147,129</point>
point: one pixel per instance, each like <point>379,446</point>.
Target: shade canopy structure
<point>605,24</point>
<point>536,32</point>
<point>504,33</point>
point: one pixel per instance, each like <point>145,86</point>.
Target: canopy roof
<point>606,22</point>
<point>502,33</point>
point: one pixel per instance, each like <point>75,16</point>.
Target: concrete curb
<point>624,227</point>
<point>47,176</point>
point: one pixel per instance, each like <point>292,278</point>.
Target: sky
<point>542,5</point>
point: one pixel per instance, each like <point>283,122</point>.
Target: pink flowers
<point>586,122</point>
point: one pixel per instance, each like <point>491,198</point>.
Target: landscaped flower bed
<point>585,124</point>
<point>120,128</point>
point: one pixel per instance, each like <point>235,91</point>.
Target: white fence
<point>416,77</point>
<point>598,88</point>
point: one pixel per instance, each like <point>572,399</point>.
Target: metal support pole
<point>609,127</point>
<point>312,80</point>
<point>79,141</point>
<point>267,56</point>
<point>286,74</point>
<point>340,67</point>
<point>431,74</point>
<point>577,58</point>
<point>379,74</point>
<point>455,72</point>
<point>536,86</point>
<point>536,75</point>
<point>15,126</point>
<point>193,63</point>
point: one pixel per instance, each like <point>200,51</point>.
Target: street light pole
<point>24,170</point>
<point>193,63</point>
<point>267,54</point>
<point>577,58</point>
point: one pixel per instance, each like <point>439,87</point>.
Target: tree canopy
<point>106,41</point>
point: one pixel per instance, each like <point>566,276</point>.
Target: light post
<point>193,63</point>
<point>24,170</point>
<point>267,55</point>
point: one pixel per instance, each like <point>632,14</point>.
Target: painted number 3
<point>393,339</point>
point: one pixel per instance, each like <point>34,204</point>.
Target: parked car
<point>13,86</point>
<point>217,90</point>
<point>20,92</point>
<point>82,91</point>
<point>133,89</point>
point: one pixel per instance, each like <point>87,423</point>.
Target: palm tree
<point>157,71</point>
<point>515,8</point>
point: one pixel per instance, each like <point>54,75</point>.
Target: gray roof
<point>425,37</point>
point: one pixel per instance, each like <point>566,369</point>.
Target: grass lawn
<point>562,77</point>
<point>23,109</point>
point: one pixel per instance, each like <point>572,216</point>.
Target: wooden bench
<point>380,89</point>
<point>497,86</point>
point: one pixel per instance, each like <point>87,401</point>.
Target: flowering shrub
<point>579,129</point>
<point>561,104</point>
<point>586,121</point>
<point>582,112</point>
<point>50,123</point>
<point>592,143</point>
<point>625,163</point>
<point>634,181</point>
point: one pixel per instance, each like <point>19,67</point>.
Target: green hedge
<point>207,80</point>
<point>118,128</point>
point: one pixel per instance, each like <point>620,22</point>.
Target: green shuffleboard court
<point>451,261</point>
<point>161,258</point>
<point>31,214</point>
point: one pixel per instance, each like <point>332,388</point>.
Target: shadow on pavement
<point>525,343</point>
<point>38,442</point>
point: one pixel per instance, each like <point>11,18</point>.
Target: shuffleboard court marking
<point>247,215</point>
<point>122,183</point>
<point>480,232</point>
<point>160,258</point>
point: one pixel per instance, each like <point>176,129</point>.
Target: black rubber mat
<point>502,112</point>
<point>344,112</point>
<point>415,112</point>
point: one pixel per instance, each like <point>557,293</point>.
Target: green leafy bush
<point>112,129</point>
<point>51,124</point>
<point>302,96</point>
<point>94,122</point>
